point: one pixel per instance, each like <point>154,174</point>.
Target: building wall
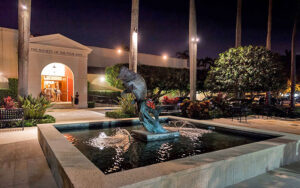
<point>104,57</point>
<point>8,55</point>
<point>42,55</point>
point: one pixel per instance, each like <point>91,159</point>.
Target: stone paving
<point>22,163</point>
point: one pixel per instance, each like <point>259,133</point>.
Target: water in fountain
<point>120,140</point>
<point>186,129</point>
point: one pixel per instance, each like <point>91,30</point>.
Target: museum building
<point>57,63</point>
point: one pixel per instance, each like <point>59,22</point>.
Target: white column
<point>193,50</point>
<point>134,36</point>
<point>24,14</point>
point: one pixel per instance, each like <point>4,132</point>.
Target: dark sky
<point>163,24</point>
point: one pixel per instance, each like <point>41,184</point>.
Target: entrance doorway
<point>57,82</point>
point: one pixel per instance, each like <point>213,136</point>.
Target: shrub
<point>166,100</point>
<point>9,103</point>
<point>12,90</point>
<point>34,108</point>
<point>91,104</point>
<point>117,114</point>
<point>195,109</point>
<point>126,104</point>
<point>34,122</point>
<point>245,69</point>
<point>127,108</point>
<point>13,87</point>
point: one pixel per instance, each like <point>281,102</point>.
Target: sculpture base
<point>150,137</point>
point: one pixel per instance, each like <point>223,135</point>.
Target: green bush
<point>34,108</point>
<point>127,108</point>
<point>34,122</point>
<point>3,94</point>
<point>91,104</point>
<point>110,96</point>
<point>117,115</point>
<point>246,69</point>
<point>12,90</point>
<point>195,109</point>
<point>126,104</point>
<point>13,87</point>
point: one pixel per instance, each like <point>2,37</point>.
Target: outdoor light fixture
<point>165,57</point>
<point>193,39</point>
<point>119,51</point>
<point>135,37</point>
<point>102,79</point>
<point>24,7</point>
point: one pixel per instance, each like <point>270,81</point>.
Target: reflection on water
<point>113,150</point>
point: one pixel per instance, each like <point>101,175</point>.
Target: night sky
<point>163,24</point>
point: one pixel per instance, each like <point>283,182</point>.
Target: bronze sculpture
<point>135,83</point>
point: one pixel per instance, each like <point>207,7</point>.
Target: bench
<point>12,115</point>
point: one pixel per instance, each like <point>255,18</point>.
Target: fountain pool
<point>207,154</point>
<point>113,150</point>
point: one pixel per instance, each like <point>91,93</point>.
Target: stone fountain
<point>135,83</point>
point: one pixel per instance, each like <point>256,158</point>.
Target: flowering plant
<point>9,103</point>
<point>166,100</point>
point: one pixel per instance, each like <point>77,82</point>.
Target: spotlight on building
<point>102,79</point>
<point>165,57</point>
<point>119,51</point>
<point>195,39</point>
<point>24,7</point>
<point>134,37</point>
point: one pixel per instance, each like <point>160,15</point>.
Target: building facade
<point>59,68</point>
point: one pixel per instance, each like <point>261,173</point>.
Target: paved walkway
<point>76,115</point>
<point>285,177</point>
<point>273,124</point>
<point>22,162</point>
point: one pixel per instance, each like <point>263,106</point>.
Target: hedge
<point>11,91</point>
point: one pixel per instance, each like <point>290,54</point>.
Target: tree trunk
<point>193,50</point>
<point>134,36</point>
<point>293,66</point>
<point>24,14</point>
<point>238,30</point>
<point>268,41</point>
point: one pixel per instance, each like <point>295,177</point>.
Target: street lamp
<point>165,57</point>
<point>24,7</point>
<point>119,51</point>
<point>195,39</point>
<point>102,79</point>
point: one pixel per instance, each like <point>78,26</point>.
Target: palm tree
<point>193,50</point>
<point>268,42</point>
<point>24,14</point>
<point>293,60</point>
<point>238,30</point>
<point>134,36</point>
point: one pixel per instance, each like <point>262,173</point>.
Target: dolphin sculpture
<point>135,83</point>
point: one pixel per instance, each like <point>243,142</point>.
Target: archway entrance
<point>57,82</point>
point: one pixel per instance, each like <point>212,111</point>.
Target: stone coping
<point>221,168</point>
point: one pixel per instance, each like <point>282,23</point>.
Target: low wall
<point>215,169</point>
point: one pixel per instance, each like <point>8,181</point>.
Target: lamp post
<point>193,40</point>
<point>134,36</point>
<point>24,14</point>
